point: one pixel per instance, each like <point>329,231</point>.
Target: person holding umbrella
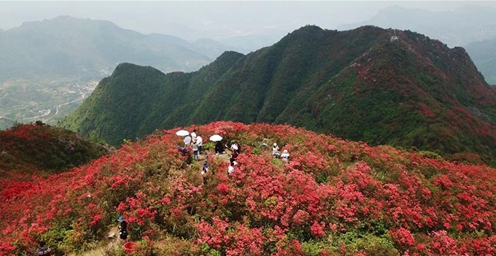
<point>219,148</point>
<point>185,134</point>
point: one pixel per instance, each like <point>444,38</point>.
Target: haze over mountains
<point>484,56</point>
<point>361,84</point>
<point>66,46</point>
<point>459,27</point>
<point>48,67</point>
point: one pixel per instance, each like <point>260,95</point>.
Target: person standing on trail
<point>195,150</point>
<point>122,228</point>
<point>205,167</point>
<point>234,155</point>
<point>199,141</point>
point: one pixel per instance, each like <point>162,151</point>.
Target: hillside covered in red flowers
<point>333,197</point>
<point>41,148</point>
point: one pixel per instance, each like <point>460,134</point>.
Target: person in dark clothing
<point>122,228</point>
<point>205,167</point>
<point>43,250</point>
<point>184,151</point>
<point>219,148</point>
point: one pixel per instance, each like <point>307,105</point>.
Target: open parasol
<point>215,137</point>
<point>182,133</point>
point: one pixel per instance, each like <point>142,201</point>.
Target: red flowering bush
<point>332,197</point>
<point>42,148</point>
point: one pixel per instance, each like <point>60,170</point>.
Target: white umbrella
<point>182,133</point>
<point>215,137</point>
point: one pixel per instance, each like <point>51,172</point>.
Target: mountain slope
<point>358,84</point>
<point>333,197</point>
<point>472,26</point>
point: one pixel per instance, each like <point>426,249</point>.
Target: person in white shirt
<point>187,141</point>
<point>275,150</point>
<point>285,155</point>
<point>199,141</point>
<point>193,135</point>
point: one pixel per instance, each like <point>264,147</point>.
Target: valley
<point>25,101</point>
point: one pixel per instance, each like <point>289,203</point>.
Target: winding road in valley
<point>47,112</point>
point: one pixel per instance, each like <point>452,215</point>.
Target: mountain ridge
<point>470,26</point>
<point>380,86</point>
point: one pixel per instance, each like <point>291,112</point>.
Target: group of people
<point>275,152</point>
<point>235,150</point>
<point>195,141</point>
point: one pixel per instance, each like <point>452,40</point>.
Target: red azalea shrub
<point>332,197</point>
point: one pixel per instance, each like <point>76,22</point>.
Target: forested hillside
<point>380,86</point>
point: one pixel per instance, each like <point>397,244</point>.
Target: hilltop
<point>43,149</point>
<point>333,197</point>
<point>379,86</point>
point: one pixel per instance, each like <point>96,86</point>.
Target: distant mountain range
<point>47,67</point>
<point>380,86</point>
<point>66,46</point>
<point>460,27</point>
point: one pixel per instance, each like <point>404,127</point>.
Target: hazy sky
<point>217,20</point>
